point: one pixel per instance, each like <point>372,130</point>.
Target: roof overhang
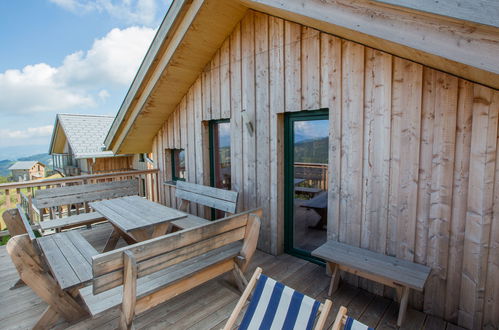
<point>58,139</point>
<point>193,30</point>
<point>178,54</point>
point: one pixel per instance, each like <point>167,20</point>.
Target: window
<point>142,158</point>
<point>220,154</point>
<point>178,164</point>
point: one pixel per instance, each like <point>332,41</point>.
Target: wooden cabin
<point>77,146</point>
<point>374,123</point>
<point>27,170</point>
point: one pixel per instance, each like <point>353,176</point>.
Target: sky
<point>67,56</point>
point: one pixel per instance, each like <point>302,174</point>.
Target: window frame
<point>173,154</point>
<point>289,119</point>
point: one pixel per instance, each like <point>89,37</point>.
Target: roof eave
<point>174,14</point>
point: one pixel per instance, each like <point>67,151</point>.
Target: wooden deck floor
<point>208,306</point>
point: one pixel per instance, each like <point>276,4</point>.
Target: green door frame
<point>289,121</point>
<point>211,123</point>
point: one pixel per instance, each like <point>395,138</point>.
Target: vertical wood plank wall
<point>412,157</point>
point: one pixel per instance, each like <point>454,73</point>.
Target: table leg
<point>112,240</point>
<point>47,320</point>
<point>160,229</point>
<point>140,235</point>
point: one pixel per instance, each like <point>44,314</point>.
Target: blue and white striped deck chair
<point>275,306</point>
<point>345,322</point>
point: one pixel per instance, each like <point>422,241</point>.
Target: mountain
<point>21,151</point>
<point>45,159</point>
<point>312,151</point>
<point>4,167</point>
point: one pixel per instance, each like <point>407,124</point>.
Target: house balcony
<point>209,305</point>
<point>15,193</point>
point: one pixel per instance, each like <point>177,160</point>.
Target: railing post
<point>7,198</point>
<point>18,195</point>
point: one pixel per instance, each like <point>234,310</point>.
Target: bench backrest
<point>17,223</point>
<point>68,195</point>
<point>159,253</point>
<point>220,199</point>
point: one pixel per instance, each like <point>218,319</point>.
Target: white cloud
<point>113,59</point>
<point>82,80</point>
<point>130,11</point>
<point>31,132</point>
<point>28,136</point>
<point>311,129</point>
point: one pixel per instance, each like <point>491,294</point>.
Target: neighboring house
<point>77,146</point>
<point>27,170</point>
<point>380,115</point>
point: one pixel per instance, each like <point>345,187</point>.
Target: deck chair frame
<point>323,309</point>
<point>341,319</point>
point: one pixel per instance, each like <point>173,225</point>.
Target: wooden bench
<point>143,275</point>
<point>219,199</point>
<point>67,255</point>
<point>54,199</point>
<point>307,190</point>
<point>400,274</point>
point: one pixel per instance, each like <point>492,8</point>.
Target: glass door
<point>306,181</point>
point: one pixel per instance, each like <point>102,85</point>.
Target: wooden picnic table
<point>135,219</point>
<point>319,205</point>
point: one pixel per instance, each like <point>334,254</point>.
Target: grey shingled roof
<point>86,133</point>
<point>23,165</point>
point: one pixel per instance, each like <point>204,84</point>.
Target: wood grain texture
<point>276,108</point>
<point>441,189</point>
<point>459,199</point>
<point>480,207</point>
<point>331,87</point>
<point>352,137</point>
<point>262,123</point>
<point>406,130</point>
<point>399,158</point>
<point>292,66</point>
<point>248,106</point>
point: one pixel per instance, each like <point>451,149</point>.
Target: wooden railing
<point>12,191</point>
<point>315,175</point>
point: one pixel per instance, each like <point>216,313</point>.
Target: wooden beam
<point>462,48</point>
<point>478,11</point>
<point>179,64</point>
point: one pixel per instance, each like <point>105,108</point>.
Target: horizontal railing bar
<point>71,179</point>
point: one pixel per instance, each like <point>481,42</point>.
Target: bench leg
<point>335,278</point>
<point>112,240</point>
<point>239,278</point>
<point>19,283</point>
<point>28,265</point>
<point>47,320</point>
<point>129,291</point>
<point>404,298</point>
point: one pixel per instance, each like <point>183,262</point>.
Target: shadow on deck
<point>209,306</point>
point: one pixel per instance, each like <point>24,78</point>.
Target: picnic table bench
<point>135,219</point>
<point>219,199</point>
<point>67,255</point>
<point>141,276</point>
<point>54,199</point>
<point>400,274</point>
<point>138,277</point>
